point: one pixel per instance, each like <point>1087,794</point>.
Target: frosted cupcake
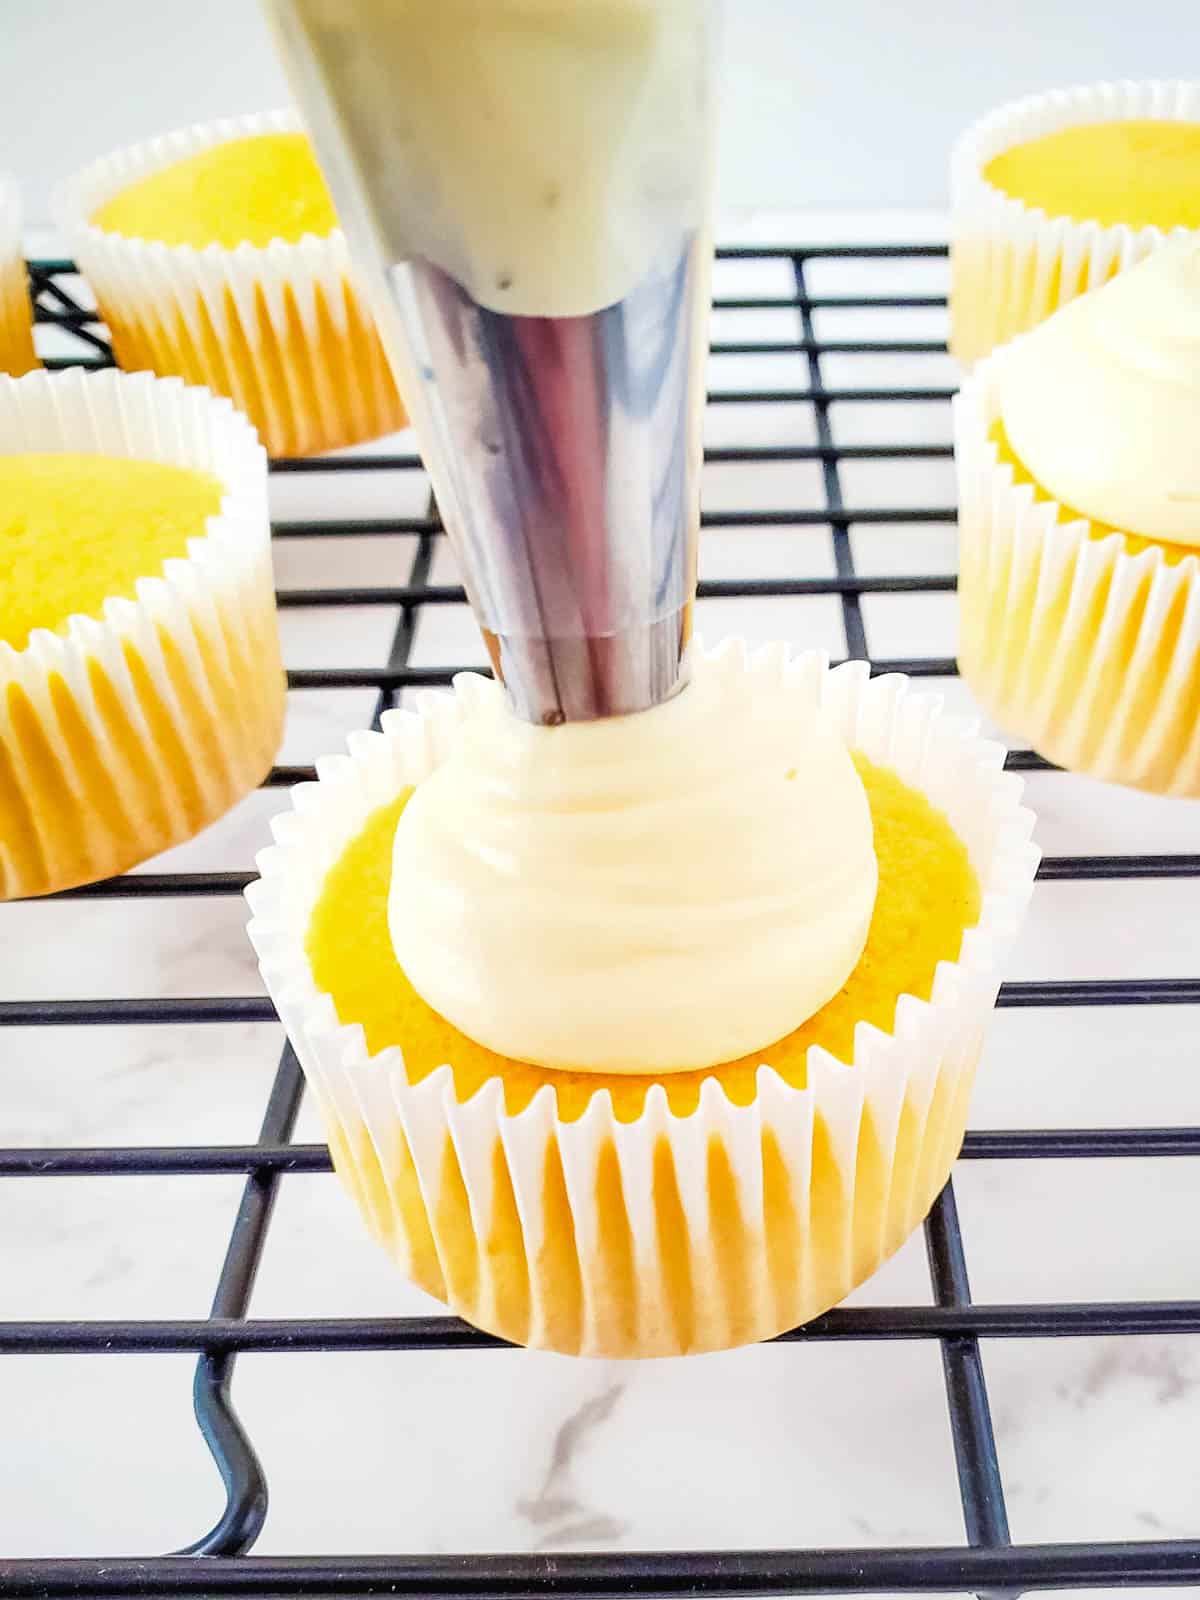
<point>718,989</point>
<point>141,692</point>
<point>1079,491</point>
<point>17,354</point>
<point>1053,195</point>
<point>215,256</point>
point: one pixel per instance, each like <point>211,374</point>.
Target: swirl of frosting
<point>649,893</point>
<point>1101,402</point>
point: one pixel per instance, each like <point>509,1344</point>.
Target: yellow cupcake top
<point>267,186</point>
<point>76,530</point>
<point>928,894</point>
<point>1142,173</point>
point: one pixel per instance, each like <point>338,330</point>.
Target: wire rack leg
<point>246,1494</point>
<point>245,1483</point>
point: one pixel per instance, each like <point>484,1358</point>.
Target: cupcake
<point>17,355</point>
<point>141,692</point>
<point>1054,195</point>
<point>1079,497</point>
<point>215,256</point>
<point>562,1164</point>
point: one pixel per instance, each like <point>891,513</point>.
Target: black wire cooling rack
<point>986,1562</point>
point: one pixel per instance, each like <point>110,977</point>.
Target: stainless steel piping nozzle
<point>563,439</point>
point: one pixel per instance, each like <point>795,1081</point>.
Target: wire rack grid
<point>791,320</point>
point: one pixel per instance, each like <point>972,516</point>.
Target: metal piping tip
<point>549,339</point>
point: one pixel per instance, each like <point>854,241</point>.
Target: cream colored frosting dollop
<point>1101,402</point>
<point>647,893</point>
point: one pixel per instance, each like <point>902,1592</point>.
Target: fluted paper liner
<point>1073,644</point>
<point>667,1234</point>
<point>281,329</point>
<point>123,735</point>
<point>1011,265</point>
<point>17,355</point>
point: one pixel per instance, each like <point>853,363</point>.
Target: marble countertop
<point>803,1445</point>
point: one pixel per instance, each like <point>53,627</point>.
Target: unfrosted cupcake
<point>215,256</point>
<point>17,354</point>
<point>141,692</point>
<point>623,1200</point>
<point>1079,492</point>
<point>1053,195</point>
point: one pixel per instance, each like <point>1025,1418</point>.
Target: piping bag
<point>526,189</point>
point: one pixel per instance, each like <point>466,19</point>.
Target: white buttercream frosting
<point>1101,402</point>
<point>544,152</point>
<point>648,893</point>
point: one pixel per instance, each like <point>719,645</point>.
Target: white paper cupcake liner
<point>17,355</point>
<point>1074,645</point>
<point>282,330</point>
<point>124,735</point>
<point>667,1234</point>
<point>1011,264</point>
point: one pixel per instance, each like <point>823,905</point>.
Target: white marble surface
<point>823,1444</point>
